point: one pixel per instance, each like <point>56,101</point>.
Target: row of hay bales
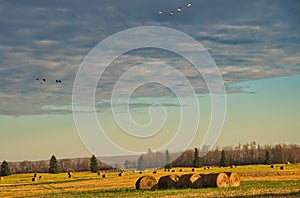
<point>219,180</point>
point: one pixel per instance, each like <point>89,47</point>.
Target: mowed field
<point>256,181</point>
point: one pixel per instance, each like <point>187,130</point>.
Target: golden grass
<point>20,185</point>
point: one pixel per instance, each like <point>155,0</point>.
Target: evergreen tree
<point>141,163</point>
<point>167,160</point>
<point>5,171</point>
<point>53,167</point>
<point>267,157</point>
<point>223,160</point>
<point>197,160</point>
<point>94,164</point>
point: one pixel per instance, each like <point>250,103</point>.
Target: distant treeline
<point>64,165</point>
<point>250,153</point>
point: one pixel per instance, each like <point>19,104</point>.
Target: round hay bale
<point>273,166</point>
<point>35,175</point>
<point>120,174</point>
<point>180,170</point>
<point>193,169</point>
<point>204,167</point>
<point>287,163</point>
<point>232,166</point>
<point>1,178</point>
<point>40,177</point>
<point>234,179</point>
<point>190,181</point>
<point>34,179</point>
<point>173,171</point>
<point>141,172</point>
<point>219,180</point>
<point>104,176</point>
<point>70,176</point>
<point>168,181</point>
<point>282,168</point>
<point>146,183</point>
<point>99,173</point>
<point>154,172</point>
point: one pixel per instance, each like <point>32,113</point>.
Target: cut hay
<point>219,180</point>
<point>282,168</point>
<point>169,181</point>
<point>34,179</point>
<point>190,181</point>
<point>234,179</point>
<point>273,166</point>
<point>146,183</point>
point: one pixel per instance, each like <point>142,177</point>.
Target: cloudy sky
<point>255,44</point>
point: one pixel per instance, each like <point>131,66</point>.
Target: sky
<point>255,45</point>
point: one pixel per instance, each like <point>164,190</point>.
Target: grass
<point>258,180</point>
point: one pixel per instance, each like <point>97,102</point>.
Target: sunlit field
<point>256,180</point>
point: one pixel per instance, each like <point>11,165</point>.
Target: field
<point>256,181</point>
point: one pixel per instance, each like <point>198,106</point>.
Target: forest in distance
<point>243,154</point>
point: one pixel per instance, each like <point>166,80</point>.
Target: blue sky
<point>256,45</point>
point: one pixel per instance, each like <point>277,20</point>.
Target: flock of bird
<point>179,9</point>
<point>43,80</point>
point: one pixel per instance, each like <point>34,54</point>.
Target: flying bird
<point>44,79</point>
<point>189,5</point>
<point>160,13</point>
<point>171,13</point>
<point>179,9</point>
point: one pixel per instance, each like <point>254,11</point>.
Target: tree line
<point>243,154</point>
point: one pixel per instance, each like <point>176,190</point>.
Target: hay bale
<point>219,180</point>
<point>146,183</point>
<point>168,181</point>
<point>180,170</point>
<point>282,168</point>
<point>287,163</point>
<point>173,171</point>
<point>35,175</point>
<point>40,177</point>
<point>190,181</point>
<point>141,172</point>
<point>99,173</point>
<point>1,178</point>
<point>193,169</point>
<point>154,172</point>
<point>120,174</point>
<point>34,179</point>
<point>273,166</point>
<point>232,166</point>
<point>234,179</point>
<point>104,176</point>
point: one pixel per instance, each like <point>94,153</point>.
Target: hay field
<point>256,180</point>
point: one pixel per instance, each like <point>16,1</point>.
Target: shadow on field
<point>294,194</point>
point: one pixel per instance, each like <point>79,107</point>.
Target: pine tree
<point>5,171</point>
<point>94,164</point>
<point>223,160</point>
<point>267,158</point>
<point>141,163</point>
<point>167,160</point>
<point>197,160</point>
<point>53,167</point>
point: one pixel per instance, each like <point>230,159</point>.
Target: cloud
<point>49,39</point>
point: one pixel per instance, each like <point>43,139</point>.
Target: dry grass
<point>255,180</point>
